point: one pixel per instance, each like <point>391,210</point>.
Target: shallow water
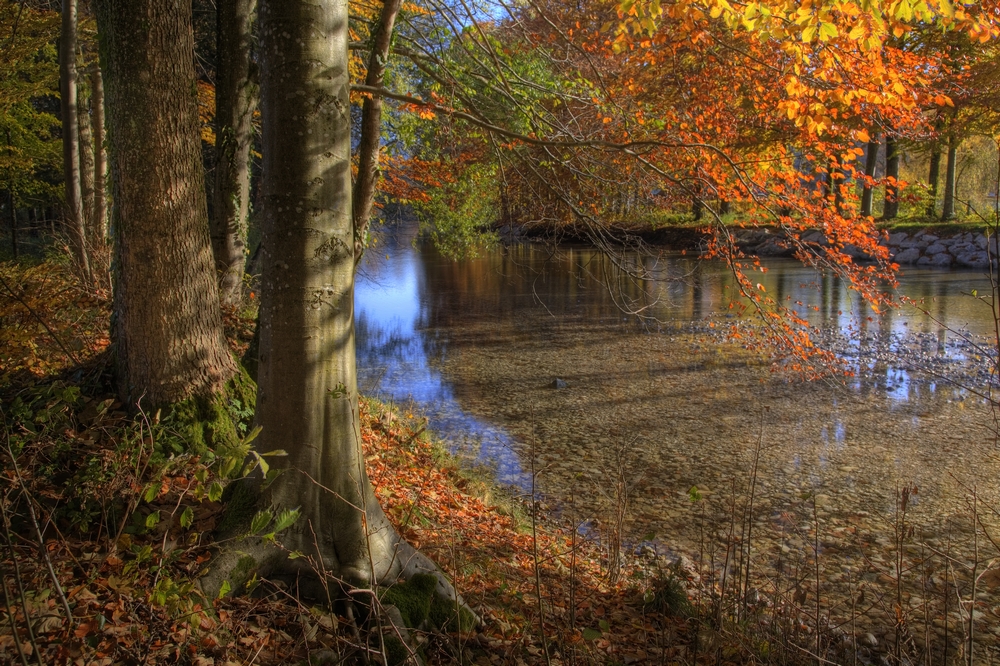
<point>475,345</point>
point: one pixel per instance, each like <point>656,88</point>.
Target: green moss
<point>216,422</point>
<point>242,499</point>
<point>395,652</point>
<point>413,598</point>
<point>442,615</point>
<point>241,573</point>
<point>418,602</point>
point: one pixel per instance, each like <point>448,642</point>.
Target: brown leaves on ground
<point>124,520</point>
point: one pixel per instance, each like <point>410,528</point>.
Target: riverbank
<point>929,244</point>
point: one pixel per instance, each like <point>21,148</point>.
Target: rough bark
<point>236,101</point>
<point>890,209</point>
<point>167,329</point>
<point>71,138</point>
<point>871,159</point>
<point>948,206</point>
<point>933,176</point>
<point>100,215</point>
<point>307,388</point>
<point>371,126</point>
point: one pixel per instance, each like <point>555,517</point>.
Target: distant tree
<point>75,216</point>
<point>236,94</point>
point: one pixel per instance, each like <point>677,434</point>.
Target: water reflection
<point>420,316</point>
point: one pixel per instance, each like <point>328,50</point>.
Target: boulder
<point>974,260</point>
<point>907,256</point>
<point>558,384</point>
<point>941,259</point>
<point>813,236</point>
<point>898,238</point>
<point>936,248</point>
<point>929,238</point>
<point>924,261</point>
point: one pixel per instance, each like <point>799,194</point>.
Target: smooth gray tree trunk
<point>933,176</point>
<point>890,209</point>
<point>71,139</point>
<point>87,167</point>
<point>948,206</point>
<point>235,103</point>
<point>100,216</point>
<point>871,159</point>
<point>371,126</point>
<point>307,400</point>
<point>168,336</point>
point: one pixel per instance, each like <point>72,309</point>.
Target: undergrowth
<point>107,520</point>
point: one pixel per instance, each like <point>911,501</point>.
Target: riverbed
<point>664,401</point>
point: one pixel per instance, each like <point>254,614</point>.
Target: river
<point>663,402</point>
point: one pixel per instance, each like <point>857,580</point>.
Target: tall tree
<point>87,172</point>
<point>100,214</point>
<point>235,104</point>
<point>71,138</point>
<point>371,125</point>
<point>891,207</point>
<point>951,169</point>
<point>307,395</point>
<point>168,335</point>
<point>868,188</point>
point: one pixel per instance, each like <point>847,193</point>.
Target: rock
<point>913,243</point>
<point>907,256</point>
<point>942,259</point>
<point>929,238</point>
<point>898,238</point>
<point>558,384</point>
<point>974,260</point>
<point>924,261</point>
<point>936,248</point>
<point>853,252</point>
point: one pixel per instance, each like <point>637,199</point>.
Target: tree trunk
<point>13,224</point>
<point>697,208</point>
<point>100,216</point>
<point>868,189</point>
<point>371,127</point>
<point>87,169</point>
<point>891,208</point>
<point>307,388</point>
<point>236,101</point>
<point>71,138</point>
<point>948,208</point>
<point>834,187</point>
<point>167,328</point>
<point>932,178</point>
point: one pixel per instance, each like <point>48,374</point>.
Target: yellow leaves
<point>863,136</point>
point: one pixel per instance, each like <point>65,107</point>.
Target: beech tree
<point>307,396</point>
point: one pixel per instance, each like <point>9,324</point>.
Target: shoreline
<point>933,245</point>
